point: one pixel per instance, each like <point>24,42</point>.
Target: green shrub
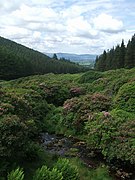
<point>33,151</point>
<point>101,173</point>
<point>55,94</point>
<point>53,120</point>
<point>112,134</point>
<point>77,91</point>
<point>90,76</point>
<point>13,137</point>
<point>125,99</point>
<point>77,111</point>
<point>55,174</point>
<point>17,174</point>
<point>44,173</point>
<point>68,170</point>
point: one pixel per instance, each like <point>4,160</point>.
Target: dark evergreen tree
<point>101,62</point>
<point>109,59</point>
<point>130,53</point>
<point>55,56</point>
<point>122,55</point>
<point>118,57</point>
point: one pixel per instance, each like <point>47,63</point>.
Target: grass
<point>101,173</point>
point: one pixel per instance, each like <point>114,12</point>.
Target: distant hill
<point>87,60</point>
<point>17,61</point>
<point>74,57</point>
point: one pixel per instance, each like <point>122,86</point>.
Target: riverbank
<point>71,147</point>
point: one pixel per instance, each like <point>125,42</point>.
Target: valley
<point>95,108</point>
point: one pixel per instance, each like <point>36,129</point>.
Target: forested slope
<point>18,61</point>
<point>119,57</point>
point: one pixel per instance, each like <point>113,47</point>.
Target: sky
<point>68,26</point>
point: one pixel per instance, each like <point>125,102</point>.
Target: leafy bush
<point>55,94</point>
<point>55,174</point>
<point>125,99</point>
<point>68,170</point>
<point>53,120</point>
<point>33,151</point>
<point>112,134</point>
<point>44,173</point>
<point>16,174</point>
<point>90,76</point>
<point>77,91</point>
<point>25,112</point>
<point>78,110</point>
<point>13,136</point>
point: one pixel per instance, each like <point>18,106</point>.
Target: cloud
<point>15,32</point>
<point>68,25</point>
<point>80,27</point>
<point>8,6</point>
<point>34,14</point>
<point>108,24</point>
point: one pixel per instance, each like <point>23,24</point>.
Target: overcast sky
<point>74,26</point>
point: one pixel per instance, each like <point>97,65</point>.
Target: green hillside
<point>97,108</point>
<point>18,61</point>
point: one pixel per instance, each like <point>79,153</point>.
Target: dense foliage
<point>99,110</point>
<point>16,174</point>
<point>63,170</point>
<point>44,173</point>
<point>118,57</point>
<point>19,61</point>
<point>68,170</point>
<point>104,117</point>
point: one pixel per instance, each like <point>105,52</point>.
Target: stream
<point>73,147</point>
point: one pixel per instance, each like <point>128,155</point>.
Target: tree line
<point>119,57</point>
<point>18,61</point>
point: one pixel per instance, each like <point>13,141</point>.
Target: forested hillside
<point>96,108</point>
<point>119,57</point>
<point>19,61</point>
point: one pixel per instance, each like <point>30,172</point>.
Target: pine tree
<point>55,56</point>
<point>118,57</point>
<point>130,53</point>
<point>101,62</point>
<point>122,55</point>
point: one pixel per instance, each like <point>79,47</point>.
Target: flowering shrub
<point>83,108</point>
<point>71,105</point>
<point>13,136</point>
<point>76,91</point>
<point>6,108</point>
<point>112,135</point>
<point>100,102</point>
<point>55,94</point>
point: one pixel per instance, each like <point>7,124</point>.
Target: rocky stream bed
<point>72,147</point>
